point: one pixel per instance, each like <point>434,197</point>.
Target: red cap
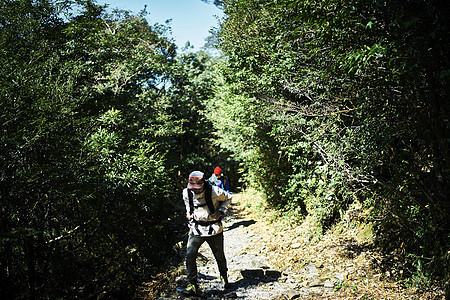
<point>217,171</point>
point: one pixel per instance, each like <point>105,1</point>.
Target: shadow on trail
<point>244,223</point>
<point>242,285</point>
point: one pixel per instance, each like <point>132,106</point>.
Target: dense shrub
<point>329,102</point>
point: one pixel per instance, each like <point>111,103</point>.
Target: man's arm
<point>189,216</point>
<point>224,199</point>
<point>226,184</point>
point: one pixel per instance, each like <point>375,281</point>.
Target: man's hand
<point>216,215</point>
<point>189,217</point>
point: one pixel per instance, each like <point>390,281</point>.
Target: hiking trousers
<point>215,242</point>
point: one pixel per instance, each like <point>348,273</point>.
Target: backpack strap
<point>208,196</point>
<point>191,201</point>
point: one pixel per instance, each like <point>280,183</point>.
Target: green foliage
<point>321,102</point>
<point>418,279</point>
<point>325,102</point>
<point>93,107</point>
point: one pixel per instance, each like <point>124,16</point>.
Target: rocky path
<point>250,273</point>
<point>263,263</point>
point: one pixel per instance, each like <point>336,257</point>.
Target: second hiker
<point>218,179</point>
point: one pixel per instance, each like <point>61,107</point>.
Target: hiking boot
<point>190,290</point>
<point>225,283</point>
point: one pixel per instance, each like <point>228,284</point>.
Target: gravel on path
<point>250,274</point>
<point>267,260</point>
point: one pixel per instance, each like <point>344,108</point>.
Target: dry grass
<point>346,250</point>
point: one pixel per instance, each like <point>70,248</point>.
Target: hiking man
<point>218,179</point>
<point>205,206</point>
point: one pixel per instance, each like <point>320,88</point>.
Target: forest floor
<point>269,257</point>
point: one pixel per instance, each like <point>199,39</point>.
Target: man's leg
<point>194,243</point>
<point>216,244</point>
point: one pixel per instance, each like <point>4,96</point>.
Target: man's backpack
<point>208,198</point>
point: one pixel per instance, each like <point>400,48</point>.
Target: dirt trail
<point>272,260</point>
